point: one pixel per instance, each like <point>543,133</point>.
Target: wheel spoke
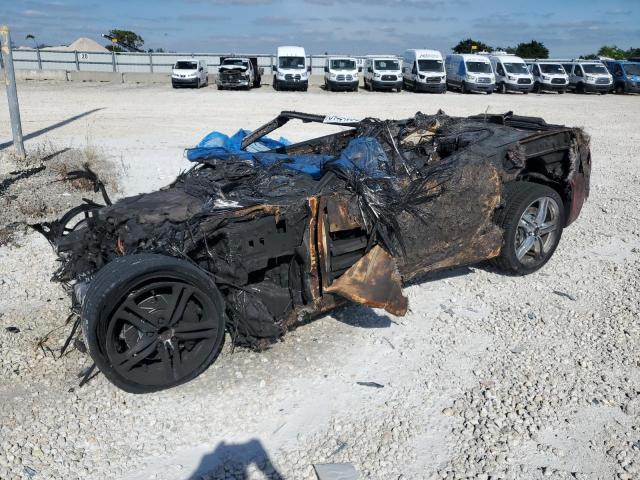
<point>176,361</point>
<point>165,356</point>
<point>140,323</point>
<point>526,224</point>
<point>136,310</point>
<point>525,246</point>
<point>547,228</point>
<point>543,207</point>
<point>145,347</point>
<point>181,297</point>
<point>195,330</point>
<point>538,248</point>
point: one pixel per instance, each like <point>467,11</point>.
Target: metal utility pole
<point>12,92</point>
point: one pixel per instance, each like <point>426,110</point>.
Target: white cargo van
<point>190,72</point>
<point>291,70</point>
<point>588,76</point>
<point>382,72</point>
<point>341,73</point>
<point>548,76</point>
<point>470,73</point>
<point>423,70</point>
<point>512,74</point>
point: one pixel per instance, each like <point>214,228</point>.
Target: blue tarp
<point>364,154</point>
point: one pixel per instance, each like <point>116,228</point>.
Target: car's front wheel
<point>152,322</point>
<point>532,218</point>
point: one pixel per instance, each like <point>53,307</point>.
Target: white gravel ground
<point>488,376</point>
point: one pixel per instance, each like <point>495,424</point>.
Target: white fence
<point>32,59</point>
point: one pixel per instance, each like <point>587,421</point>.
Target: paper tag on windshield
<point>339,119</point>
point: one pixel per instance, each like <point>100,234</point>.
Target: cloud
<point>388,3</point>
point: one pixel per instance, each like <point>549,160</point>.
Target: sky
<point>567,27</point>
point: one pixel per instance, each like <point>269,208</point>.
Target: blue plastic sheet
<point>364,154</point>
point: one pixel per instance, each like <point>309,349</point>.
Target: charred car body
<point>239,72</point>
<point>253,242</point>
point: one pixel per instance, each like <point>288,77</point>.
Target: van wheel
<point>502,88</point>
<point>560,92</point>
<point>619,89</point>
<point>532,218</point>
<point>580,88</point>
<point>463,88</point>
<point>219,87</point>
<point>152,322</point>
<point>275,85</point>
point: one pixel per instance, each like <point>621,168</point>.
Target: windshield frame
<point>290,60</point>
<point>349,61</point>
<point>590,69</point>
<point>433,61</point>
<point>179,65</point>
<point>523,67</point>
<point>635,69</point>
<point>486,66</point>
<point>394,63</point>
<point>561,70</point>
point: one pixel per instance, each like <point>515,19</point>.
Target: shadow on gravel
<point>42,131</point>
<point>361,316</point>
<point>442,274</point>
<point>235,459</point>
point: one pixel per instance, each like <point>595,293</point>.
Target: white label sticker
<point>339,119</point>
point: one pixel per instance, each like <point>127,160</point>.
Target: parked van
<point>512,73</point>
<point>382,72</point>
<point>291,70</point>
<point>470,73</point>
<point>423,70</point>
<point>588,76</point>
<point>626,75</point>
<point>548,76</point>
<point>190,72</point>
<point>341,73</point>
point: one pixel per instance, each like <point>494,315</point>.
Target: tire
<point>580,88</point>
<point>220,87</point>
<point>519,221</point>
<point>502,88</point>
<point>137,303</point>
<point>463,88</point>
<point>619,89</point>
<point>489,92</point>
<point>399,89</point>
<point>560,92</point>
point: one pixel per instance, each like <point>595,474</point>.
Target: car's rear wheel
<point>152,322</point>
<point>532,218</point>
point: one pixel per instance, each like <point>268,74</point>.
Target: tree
<point>633,53</point>
<point>125,40</point>
<point>612,52</point>
<point>532,49</point>
<point>471,46</point>
<point>591,56</point>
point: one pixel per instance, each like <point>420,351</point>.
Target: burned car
<point>261,235</point>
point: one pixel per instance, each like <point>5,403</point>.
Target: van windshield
<point>235,61</point>
<point>430,66</point>
<point>478,67</point>
<point>552,68</point>
<point>291,62</point>
<point>594,68</point>
<point>186,66</point>
<point>343,64</point>
<point>386,65</point>
<point>516,68</point>
<point>632,68</point>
